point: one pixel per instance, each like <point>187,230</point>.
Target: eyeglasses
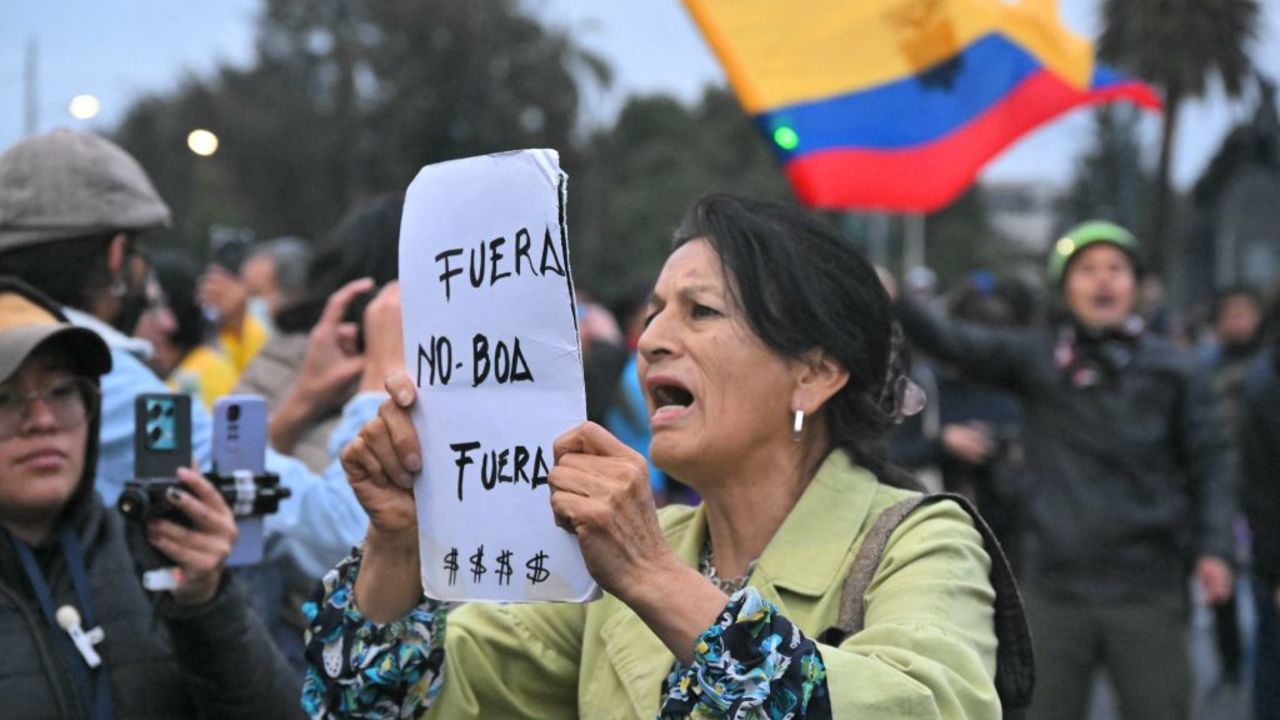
<point>71,401</point>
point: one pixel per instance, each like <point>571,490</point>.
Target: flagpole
<point>879,237</point>
<point>912,241</point>
<point>31,101</point>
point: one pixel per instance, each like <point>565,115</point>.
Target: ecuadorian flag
<point>897,104</point>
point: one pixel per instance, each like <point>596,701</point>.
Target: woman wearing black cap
<point>82,636</point>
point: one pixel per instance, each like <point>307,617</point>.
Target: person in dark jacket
<point>1128,481</point>
<point>971,432</point>
<point>82,637</point>
<point>1260,492</point>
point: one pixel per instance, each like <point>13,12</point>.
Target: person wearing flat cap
<point>83,638</point>
<point>73,207</point>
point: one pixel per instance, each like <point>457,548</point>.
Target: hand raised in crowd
<point>969,442</point>
<point>222,291</point>
<point>329,369</point>
<point>378,464</point>
<point>382,458</point>
<point>201,550</point>
<point>383,337</point>
<point>1216,579</point>
<point>600,491</point>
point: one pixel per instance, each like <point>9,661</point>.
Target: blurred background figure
<point>225,296</point>
<point>1227,354</point>
<point>1234,323</point>
<point>604,354</point>
<point>311,365</point>
<point>1259,429</point>
<point>275,275</point>
<point>1129,479</point>
<point>181,336</point>
<point>921,283</point>
<point>968,440</point>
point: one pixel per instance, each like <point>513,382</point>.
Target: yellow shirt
<point>204,374</point>
<point>241,349</point>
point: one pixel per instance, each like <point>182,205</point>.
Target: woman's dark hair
<point>366,243</point>
<point>802,286</point>
<point>178,276</point>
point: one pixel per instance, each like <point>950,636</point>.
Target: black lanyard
<point>92,684</point>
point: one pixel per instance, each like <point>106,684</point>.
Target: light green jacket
<point>927,651</point>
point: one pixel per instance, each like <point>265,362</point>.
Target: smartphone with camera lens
<point>240,446</point>
<point>229,246</point>
<point>239,434</point>
<point>162,435</point>
<point>161,445</point>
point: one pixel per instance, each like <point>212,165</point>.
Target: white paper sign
<point>491,340</point>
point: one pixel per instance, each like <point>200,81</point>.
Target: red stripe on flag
<point>928,177</point>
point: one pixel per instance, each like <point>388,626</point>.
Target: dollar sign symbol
<point>477,565</point>
<point>537,573</point>
<point>451,564</point>
<point>504,568</point>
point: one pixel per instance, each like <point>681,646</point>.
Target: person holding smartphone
<point>83,637</point>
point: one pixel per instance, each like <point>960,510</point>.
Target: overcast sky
<point>121,49</point>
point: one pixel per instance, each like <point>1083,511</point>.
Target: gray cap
<point>67,184</point>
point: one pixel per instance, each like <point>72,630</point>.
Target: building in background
<point>1235,236</point>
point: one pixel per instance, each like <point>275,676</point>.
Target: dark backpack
<point>1015,664</point>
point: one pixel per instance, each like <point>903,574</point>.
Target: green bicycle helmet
<point>1086,234</point>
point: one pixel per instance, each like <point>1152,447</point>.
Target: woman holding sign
<point>770,366</point>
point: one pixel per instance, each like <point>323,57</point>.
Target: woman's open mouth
<point>671,400</point>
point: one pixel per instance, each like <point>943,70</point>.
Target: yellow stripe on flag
<point>780,53</point>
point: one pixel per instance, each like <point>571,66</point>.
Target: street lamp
<point>202,142</point>
<point>84,107</point>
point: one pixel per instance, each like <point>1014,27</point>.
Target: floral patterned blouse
<point>752,663</point>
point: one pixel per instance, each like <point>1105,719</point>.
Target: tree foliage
<point>351,98</point>
<point>346,99</point>
<point>644,172</point>
<point>1180,46</point>
<point>1109,181</point>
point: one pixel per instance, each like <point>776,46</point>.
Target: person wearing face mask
<point>1128,479</point>
<point>275,274</point>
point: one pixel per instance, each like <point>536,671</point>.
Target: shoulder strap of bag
<point>1015,664</point>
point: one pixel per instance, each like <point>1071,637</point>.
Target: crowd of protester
<point>1128,476</point>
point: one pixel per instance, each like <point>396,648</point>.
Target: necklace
<point>707,566</point>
